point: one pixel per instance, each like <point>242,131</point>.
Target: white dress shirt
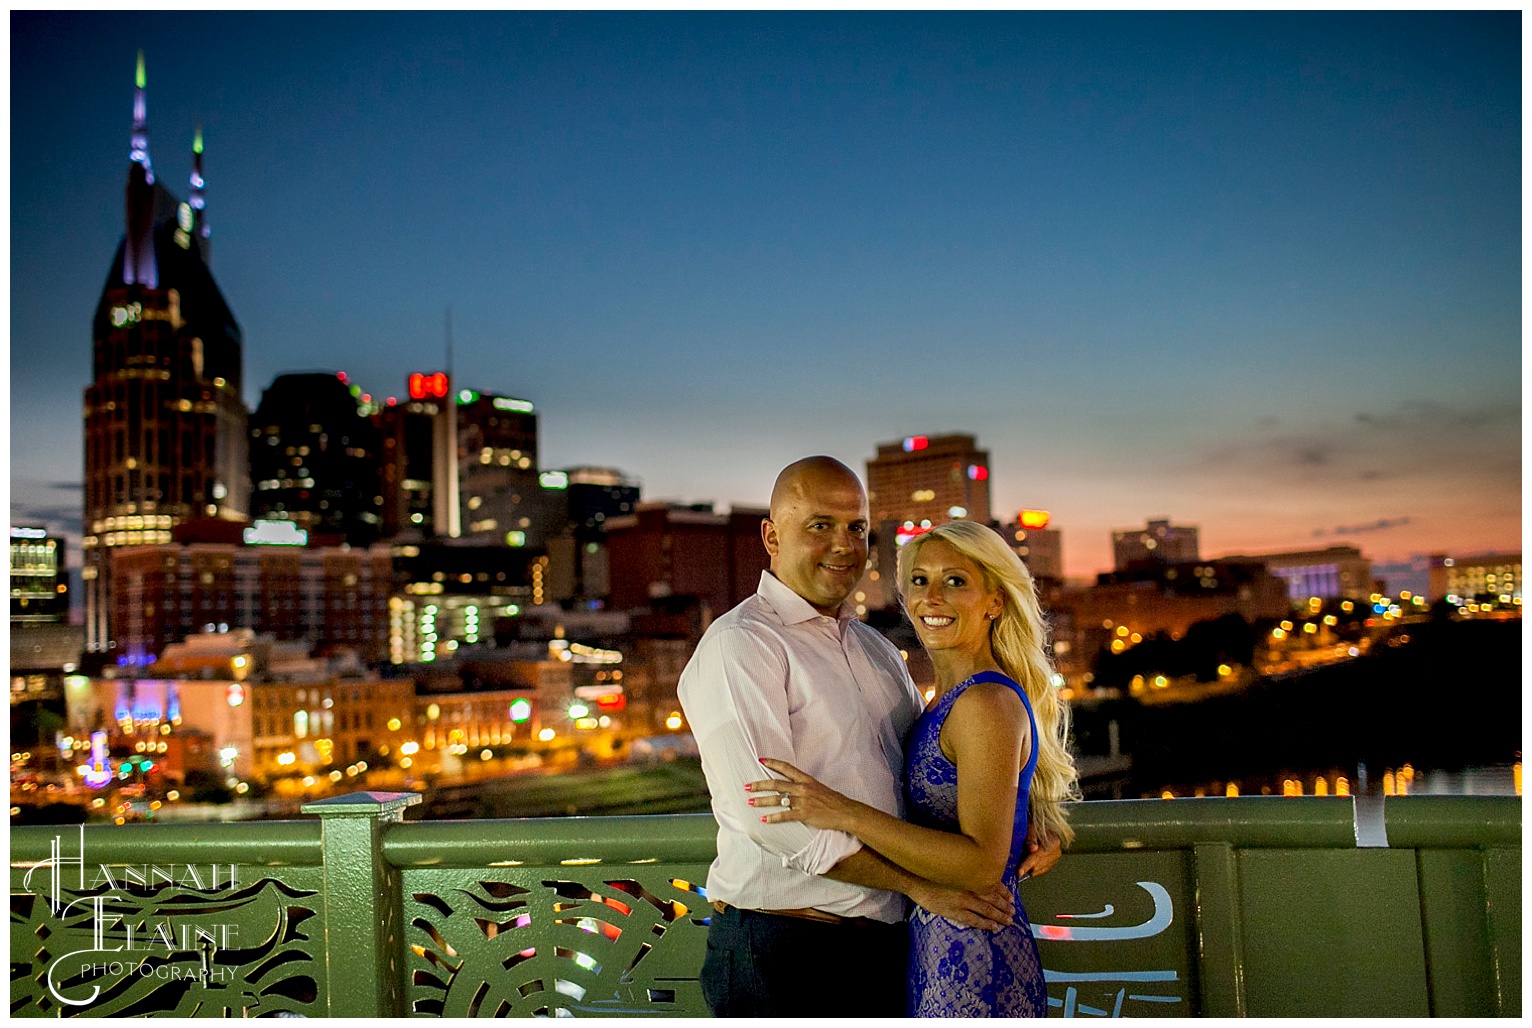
<point>775,678</point>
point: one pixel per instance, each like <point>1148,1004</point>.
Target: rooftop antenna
<point>446,502</point>
<point>197,201</point>
<point>139,145</point>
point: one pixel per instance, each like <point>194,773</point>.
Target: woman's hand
<point>800,798</point>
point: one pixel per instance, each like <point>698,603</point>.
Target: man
<point>809,922</point>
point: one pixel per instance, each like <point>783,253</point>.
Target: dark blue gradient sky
<point>1255,272</point>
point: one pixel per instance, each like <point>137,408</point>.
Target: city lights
<point>343,630</point>
<point>422,386</point>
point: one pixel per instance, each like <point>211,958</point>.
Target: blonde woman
<point>986,759</point>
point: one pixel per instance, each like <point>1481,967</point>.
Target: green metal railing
<point>1220,907</point>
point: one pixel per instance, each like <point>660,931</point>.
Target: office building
<point>666,550</point>
<point>1040,548</point>
<point>579,561</point>
<point>1493,578</point>
<point>449,594</point>
<point>1339,572</point>
<point>921,481</point>
<point>165,424</point>
<point>419,484</point>
<point>1158,542</point>
<point>39,580</point>
<point>265,576</point>
<point>458,463</point>
<point>504,499</point>
<point>315,457</point>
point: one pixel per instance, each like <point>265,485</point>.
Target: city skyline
<point>1253,273</point>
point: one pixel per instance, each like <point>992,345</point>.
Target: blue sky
<point>1255,272</point>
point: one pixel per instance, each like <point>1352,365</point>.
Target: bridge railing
<point>1260,906</point>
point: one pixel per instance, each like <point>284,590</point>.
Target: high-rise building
<point>1040,548</point>
<point>414,430</point>
<point>39,581</point>
<point>165,425</point>
<point>595,496</point>
<point>44,645</point>
<point>315,458</point>
<point>1158,542</point>
<point>504,497</point>
<point>487,486</point>
<point>922,481</point>
<point>912,486</point>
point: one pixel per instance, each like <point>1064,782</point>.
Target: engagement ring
<point>787,801</point>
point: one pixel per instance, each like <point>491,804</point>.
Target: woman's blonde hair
<point>1018,638</point>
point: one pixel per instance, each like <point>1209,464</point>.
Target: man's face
<point>818,540</point>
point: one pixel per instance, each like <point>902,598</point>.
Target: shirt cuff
<point>824,851</point>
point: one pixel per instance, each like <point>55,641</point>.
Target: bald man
<point>808,922</point>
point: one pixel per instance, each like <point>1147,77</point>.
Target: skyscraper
<point>913,485</point>
<point>165,425</point>
<point>937,479</point>
<point>315,458</point>
<point>39,583</point>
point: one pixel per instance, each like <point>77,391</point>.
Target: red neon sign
<point>423,385</point>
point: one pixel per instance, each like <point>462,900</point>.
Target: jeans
<point>768,965</point>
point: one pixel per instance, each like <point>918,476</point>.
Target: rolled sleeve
<point>735,693</point>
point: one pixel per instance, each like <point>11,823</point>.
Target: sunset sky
<point>1258,273</point>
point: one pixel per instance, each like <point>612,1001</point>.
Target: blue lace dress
<point>957,971</point>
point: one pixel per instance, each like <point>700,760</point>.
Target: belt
<point>806,914</point>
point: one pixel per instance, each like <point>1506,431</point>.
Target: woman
<point>987,755</point>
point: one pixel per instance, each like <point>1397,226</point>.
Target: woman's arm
<point>987,733</point>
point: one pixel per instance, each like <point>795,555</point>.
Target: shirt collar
<point>792,608</point>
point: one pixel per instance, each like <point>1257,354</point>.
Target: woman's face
<point>947,601</point>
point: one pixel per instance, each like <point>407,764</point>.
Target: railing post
<point>363,905</point>
<point>1220,950</point>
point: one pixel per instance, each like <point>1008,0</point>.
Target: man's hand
<point>991,910</point>
<point>1040,857</point>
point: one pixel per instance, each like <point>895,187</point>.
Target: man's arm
<point>734,693</point>
<point>993,910</point>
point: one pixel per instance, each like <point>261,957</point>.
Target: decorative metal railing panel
<point>1226,907</point>
<point>551,942</point>
<point>94,934</point>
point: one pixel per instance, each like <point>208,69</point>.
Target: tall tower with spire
<point>166,428</point>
